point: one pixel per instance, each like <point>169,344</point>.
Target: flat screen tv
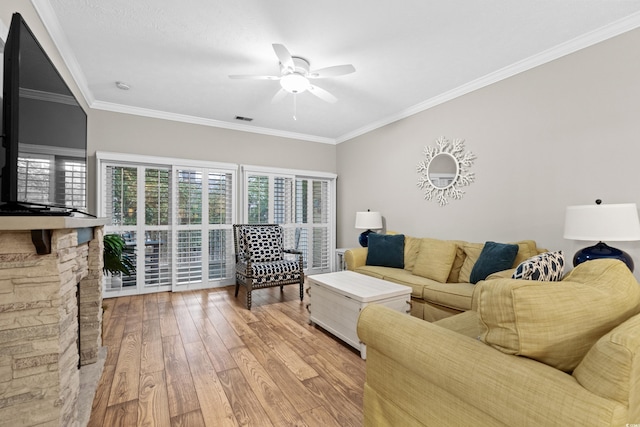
<point>44,133</point>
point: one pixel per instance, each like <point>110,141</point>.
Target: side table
<point>340,263</point>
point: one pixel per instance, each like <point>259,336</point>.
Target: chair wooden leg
<point>237,287</point>
<point>301,291</point>
<point>248,298</point>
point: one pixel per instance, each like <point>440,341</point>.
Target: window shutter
<point>34,178</point>
<point>71,188</point>
<point>221,252</point>
<point>177,218</point>
<point>157,220</point>
<point>302,205</point>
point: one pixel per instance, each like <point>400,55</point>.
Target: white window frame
<point>104,159</point>
<point>247,170</point>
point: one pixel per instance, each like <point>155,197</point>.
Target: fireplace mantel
<point>48,222</point>
<point>50,301</point>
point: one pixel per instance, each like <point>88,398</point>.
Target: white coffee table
<point>336,300</point>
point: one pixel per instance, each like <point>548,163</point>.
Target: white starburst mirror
<point>444,170</point>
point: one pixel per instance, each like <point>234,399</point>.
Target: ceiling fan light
<point>294,83</point>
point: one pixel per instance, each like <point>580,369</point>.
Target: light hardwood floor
<point>199,358</point>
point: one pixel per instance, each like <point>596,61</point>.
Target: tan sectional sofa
<point>438,271</point>
<point>532,354</point>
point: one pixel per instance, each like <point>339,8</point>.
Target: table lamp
<point>614,222</point>
<point>367,221</point>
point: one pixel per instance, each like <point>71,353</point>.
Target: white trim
<point>156,114</point>
<point>163,161</point>
<point>39,95</point>
<point>601,34</point>
<point>51,150</point>
<point>287,172</point>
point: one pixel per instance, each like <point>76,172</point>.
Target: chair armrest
<point>405,354</point>
<point>355,257</point>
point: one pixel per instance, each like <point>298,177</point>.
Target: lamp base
<point>602,250</point>
<point>364,238</point>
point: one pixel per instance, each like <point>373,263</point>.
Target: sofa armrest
<point>355,257</point>
<point>434,375</point>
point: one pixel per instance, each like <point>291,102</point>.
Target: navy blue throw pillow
<point>386,250</point>
<point>493,258</point>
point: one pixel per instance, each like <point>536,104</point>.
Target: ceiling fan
<point>295,74</point>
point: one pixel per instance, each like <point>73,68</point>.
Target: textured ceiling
<point>177,55</point>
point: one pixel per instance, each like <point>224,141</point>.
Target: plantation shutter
<point>203,227</point>
<point>304,206</point>
<point>177,219</point>
<point>34,178</point>
<point>121,186</point>
<point>71,187</point>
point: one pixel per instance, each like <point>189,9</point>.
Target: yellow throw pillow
<point>411,248</point>
<point>454,274</point>
<point>472,252</point>
<point>557,323</point>
<point>435,259</point>
<point>526,250</point>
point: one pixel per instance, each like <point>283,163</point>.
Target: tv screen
<point>44,130</point>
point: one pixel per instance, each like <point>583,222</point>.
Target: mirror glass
<point>443,170</point>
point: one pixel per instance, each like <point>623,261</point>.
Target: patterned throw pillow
<point>548,266</point>
<point>264,243</point>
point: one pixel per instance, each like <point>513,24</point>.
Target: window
<point>45,176</point>
<point>176,217</point>
<point>302,202</point>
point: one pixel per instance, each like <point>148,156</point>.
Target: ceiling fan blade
<point>279,96</point>
<point>335,71</point>
<point>252,77</point>
<point>284,56</point>
<point>322,94</point>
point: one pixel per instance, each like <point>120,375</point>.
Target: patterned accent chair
<point>262,261</point>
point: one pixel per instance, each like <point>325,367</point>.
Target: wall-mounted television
<point>44,133</point>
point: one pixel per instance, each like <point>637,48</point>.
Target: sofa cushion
<point>466,323</point>
<point>435,259</point>
<point>454,274</point>
<point>493,258</point>
<point>453,295</point>
<point>411,249</point>
<point>547,266</point>
<point>472,252</point>
<point>386,250</point>
<point>608,365</point>
<point>526,249</point>
<point>558,324</point>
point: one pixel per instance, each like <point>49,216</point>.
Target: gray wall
<point>561,134</point>
<point>125,133</point>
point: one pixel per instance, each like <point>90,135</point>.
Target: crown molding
<point>52,25</point>
<point>621,26</point>
<point>156,114</point>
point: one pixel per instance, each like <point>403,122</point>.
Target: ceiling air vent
<point>244,119</point>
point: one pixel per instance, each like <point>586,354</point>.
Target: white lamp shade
<point>368,220</point>
<point>616,222</point>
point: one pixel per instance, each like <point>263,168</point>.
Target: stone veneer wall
<point>39,376</point>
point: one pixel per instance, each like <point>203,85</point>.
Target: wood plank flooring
<point>199,358</point>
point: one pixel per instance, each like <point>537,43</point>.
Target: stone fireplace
<point>50,299</point>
